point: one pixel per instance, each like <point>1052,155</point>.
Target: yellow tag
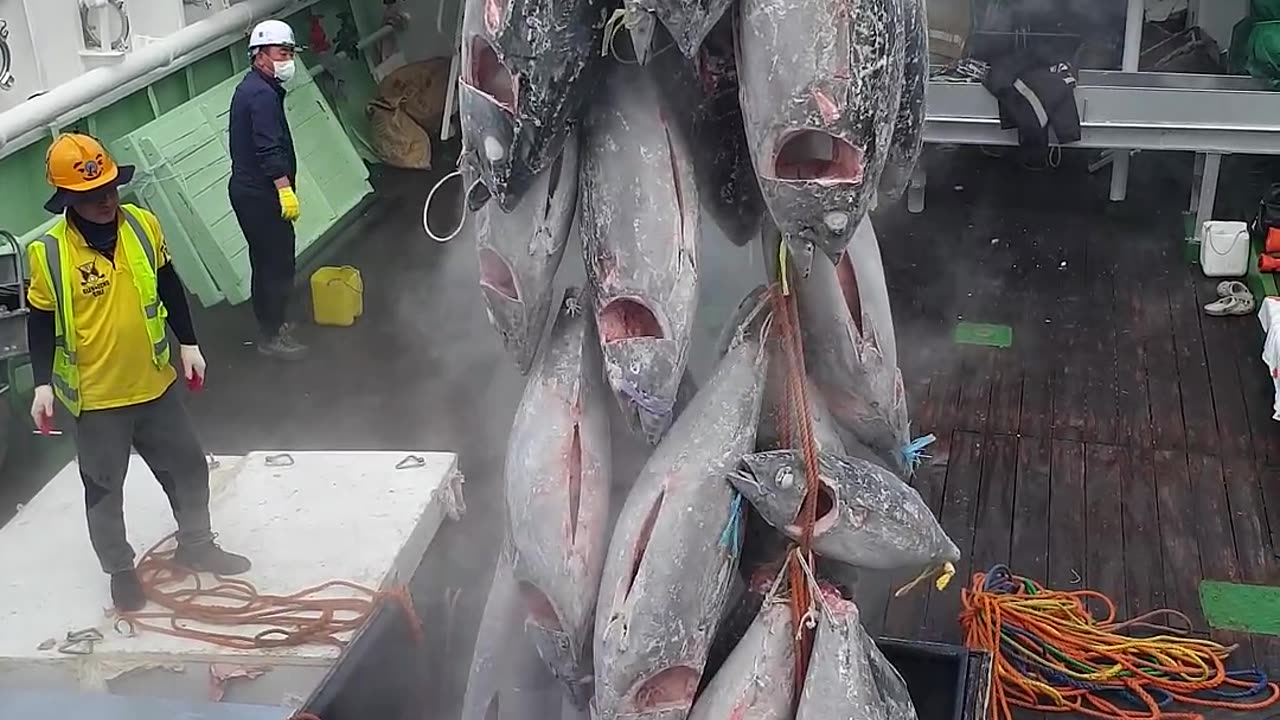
<point>948,572</point>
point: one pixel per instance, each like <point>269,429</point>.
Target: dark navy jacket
<point>261,144</point>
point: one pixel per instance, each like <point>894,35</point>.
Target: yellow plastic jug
<point>337,295</point>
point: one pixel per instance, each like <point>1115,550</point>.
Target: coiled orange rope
<point>1052,655</point>
<point>312,615</point>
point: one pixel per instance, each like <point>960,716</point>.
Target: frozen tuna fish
<point>675,550</point>
<point>527,68</point>
<point>821,85</point>
<point>557,490</point>
<point>701,97</point>
<point>849,678</point>
<point>757,682</point>
<point>845,356</point>
<point>508,680</point>
<point>520,252</point>
<point>867,516</point>
<point>908,129</point>
<point>638,217</point>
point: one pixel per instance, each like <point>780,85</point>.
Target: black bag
<point>1268,213</point>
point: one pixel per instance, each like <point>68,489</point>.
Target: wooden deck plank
<point>1178,535</point>
<point>996,497</point>
<point>1030,535</point>
<point>959,515</point>
<point>1101,409</point>
<point>1132,391</point>
<point>1269,482</point>
<point>1234,434</point>
<point>1193,371</point>
<point>1071,324</point>
<point>1104,523</point>
<point>1143,554</point>
<point>1067,540</point>
<point>904,616</point>
<point>1217,542</point>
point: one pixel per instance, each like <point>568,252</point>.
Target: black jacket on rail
<point>261,144</point>
<point>1035,97</point>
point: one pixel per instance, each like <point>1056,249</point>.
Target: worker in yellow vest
<point>101,290</point>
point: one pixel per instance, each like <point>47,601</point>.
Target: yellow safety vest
<point>138,249</point>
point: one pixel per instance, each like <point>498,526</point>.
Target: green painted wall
<point>22,174</point>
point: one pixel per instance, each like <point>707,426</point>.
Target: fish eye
<point>635,367</point>
<point>785,479</point>
<point>563,642</point>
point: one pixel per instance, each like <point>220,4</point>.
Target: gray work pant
<point>163,435</point>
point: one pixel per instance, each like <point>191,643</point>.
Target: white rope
<point>426,208</point>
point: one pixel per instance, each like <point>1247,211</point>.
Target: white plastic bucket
<point>1224,249</point>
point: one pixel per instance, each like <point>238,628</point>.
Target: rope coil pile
<point>1052,654</point>
<point>314,615</point>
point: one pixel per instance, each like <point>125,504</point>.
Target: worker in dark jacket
<point>263,176</point>
<point>102,290</point>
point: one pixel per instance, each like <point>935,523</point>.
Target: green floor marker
<point>968,333</point>
<point>1248,608</point>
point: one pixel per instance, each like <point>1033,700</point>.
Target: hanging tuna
<point>557,489</point>
<point>527,67</point>
<point>520,251</point>
<point>638,216</point>
<point>701,96</point>
<point>675,549</point>
<point>908,129</point>
<point>821,87</point>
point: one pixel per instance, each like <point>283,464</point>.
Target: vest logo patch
<point>92,280</point>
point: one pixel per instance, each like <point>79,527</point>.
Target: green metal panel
<point>186,161</point>
<point>22,173</point>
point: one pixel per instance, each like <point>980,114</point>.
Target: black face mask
<point>99,236</point>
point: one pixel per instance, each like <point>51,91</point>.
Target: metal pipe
<point>41,111</point>
<point>1129,63</point>
<point>376,36</point>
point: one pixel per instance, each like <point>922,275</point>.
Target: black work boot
<point>126,591</point>
<point>281,347</point>
<point>208,557</point>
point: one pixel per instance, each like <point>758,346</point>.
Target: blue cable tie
<point>913,453</point>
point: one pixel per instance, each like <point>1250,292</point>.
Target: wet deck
<point>1124,442</point>
<point>1124,439</point>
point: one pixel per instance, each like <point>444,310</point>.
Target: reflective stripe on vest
<point>66,374</point>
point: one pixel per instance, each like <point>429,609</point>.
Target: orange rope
<point>305,617</point>
<point>1052,655</point>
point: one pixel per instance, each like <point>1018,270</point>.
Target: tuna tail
<point>908,130</point>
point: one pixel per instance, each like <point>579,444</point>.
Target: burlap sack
<point>397,139</point>
<point>423,85</point>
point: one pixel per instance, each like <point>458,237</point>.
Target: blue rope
<point>912,454</point>
<point>731,538</point>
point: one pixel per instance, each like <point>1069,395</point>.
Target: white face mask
<point>284,70</point>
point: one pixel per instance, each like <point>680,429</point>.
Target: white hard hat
<point>271,32</point>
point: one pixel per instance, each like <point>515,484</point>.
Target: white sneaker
<point>1227,288</point>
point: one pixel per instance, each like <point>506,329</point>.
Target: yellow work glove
<point>289,208</point>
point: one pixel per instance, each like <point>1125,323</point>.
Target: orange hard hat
<point>79,164</point>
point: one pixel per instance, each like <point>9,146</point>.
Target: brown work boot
<point>208,557</point>
<point>126,592</point>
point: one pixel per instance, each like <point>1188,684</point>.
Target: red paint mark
<point>575,482</point>
<point>626,319</point>
<point>495,273</point>
<point>539,607</point>
<point>817,155</point>
<point>849,288</point>
<point>489,75</point>
<point>642,542</point>
<point>826,106</point>
<point>671,688</point>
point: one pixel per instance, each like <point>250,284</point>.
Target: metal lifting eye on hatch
<point>6,57</point>
<point>92,40</point>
